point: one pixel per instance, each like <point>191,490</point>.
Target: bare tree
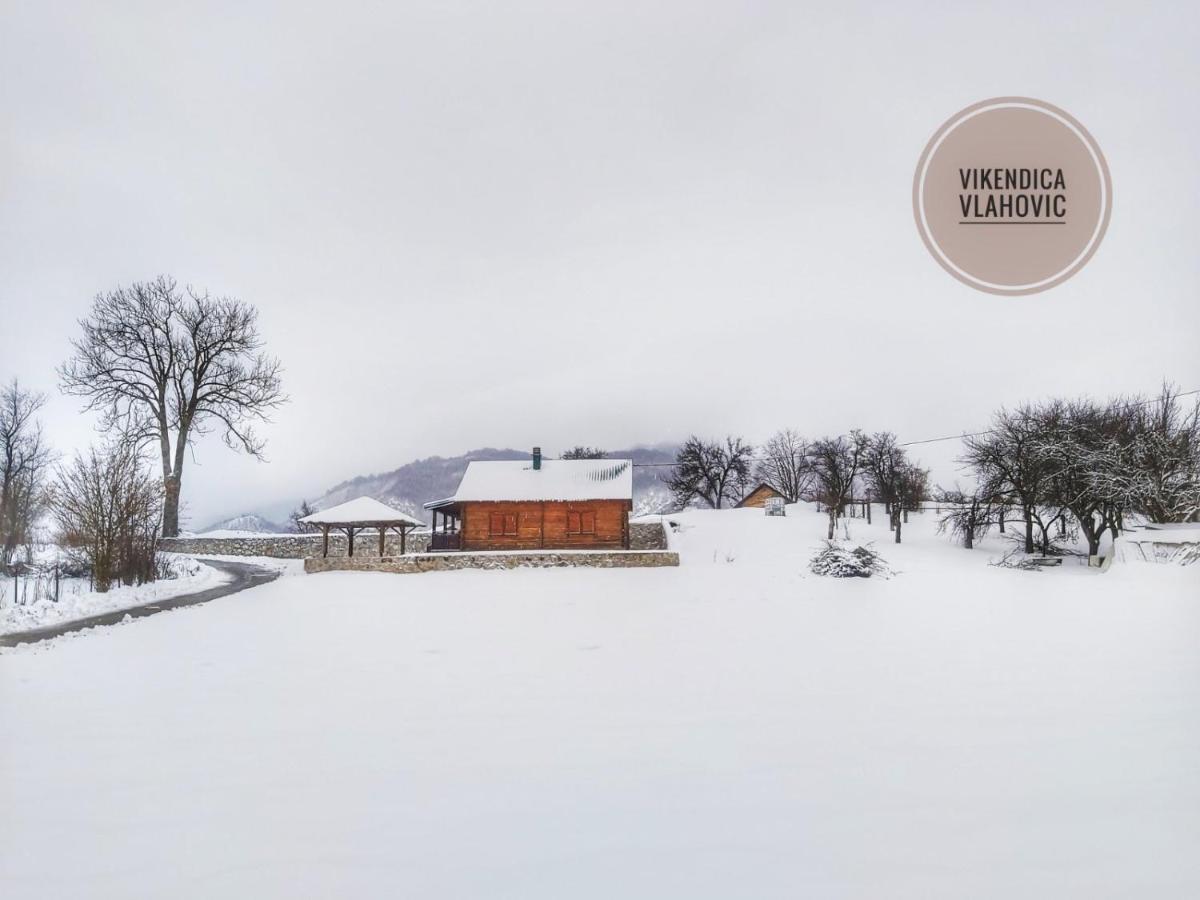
<point>107,504</point>
<point>581,452</point>
<point>1010,468</point>
<point>836,463</point>
<point>165,365</point>
<point>883,462</point>
<point>24,458</point>
<point>1085,455</point>
<point>1164,471</point>
<point>913,487</point>
<point>299,513</point>
<point>711,471</point>
<point>967,516</point>
<point>784,465</point>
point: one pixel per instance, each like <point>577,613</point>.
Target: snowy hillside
<point>247,523</point>
<point>734,727</point>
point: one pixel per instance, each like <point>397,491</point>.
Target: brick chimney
<point>537,458</point>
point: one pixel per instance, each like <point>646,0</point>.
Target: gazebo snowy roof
<point>557,479</point>
<point>366,512</point>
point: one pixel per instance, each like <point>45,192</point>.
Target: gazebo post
<point>364,515</point>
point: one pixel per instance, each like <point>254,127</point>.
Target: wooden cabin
<point>758,497</point>
<point>537,504</point>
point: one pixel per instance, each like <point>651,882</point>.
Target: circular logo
<point>1012,196</point>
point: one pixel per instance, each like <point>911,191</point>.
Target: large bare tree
<point>716,472</point>
<point>165,365</point>
<point>1009,467</point>
<point>784,465</point>
<point>1164,440</point>
<point>836,463</point>
<point>883,466</point>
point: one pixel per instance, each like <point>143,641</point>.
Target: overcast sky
<point>605,223</point>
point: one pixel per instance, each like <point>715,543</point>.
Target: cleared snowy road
<point>242,575</point>
<point>731,728</point>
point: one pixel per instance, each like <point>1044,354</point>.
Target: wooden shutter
<point>587,522</point>
<point>496,523</point>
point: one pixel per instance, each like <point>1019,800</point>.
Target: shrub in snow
<point>842,561</point>
<point>1016,558</point>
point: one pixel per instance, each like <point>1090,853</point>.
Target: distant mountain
<point>247,522</point>
<point>410,486</point>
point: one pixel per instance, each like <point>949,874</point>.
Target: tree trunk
<point>897,527</point>
<point>1087,525</point>
<point>832,521</point>
<point>968,538</point>
<point>1002,520</point>
<point>170,523</point>
<point>1028,529</point>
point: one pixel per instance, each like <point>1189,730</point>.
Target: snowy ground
<point>731,728</point>
<point>27,603</point>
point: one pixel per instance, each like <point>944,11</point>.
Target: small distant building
<point>537,504</point>
<point>758,497</point>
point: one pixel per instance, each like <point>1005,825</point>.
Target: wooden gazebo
<point>363,514</point>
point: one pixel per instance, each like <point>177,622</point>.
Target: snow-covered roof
<point>557,479</point>
<point>361,511</point>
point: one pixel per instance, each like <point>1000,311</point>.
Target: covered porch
<point>364,514</point>
<point>450,535</point>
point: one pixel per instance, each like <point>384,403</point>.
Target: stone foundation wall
<point>293,546</point>
<point>647,536</point>
<point>537,559</point>
<point>642,536</point>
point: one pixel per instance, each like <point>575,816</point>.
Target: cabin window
<point>502,524</point>
<point>582,522</point>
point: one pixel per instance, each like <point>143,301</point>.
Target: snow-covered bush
<point>170,566</point>
<point>1016,558</point>
<point>839,560</point>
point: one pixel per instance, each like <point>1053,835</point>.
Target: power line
<point>959,437</point>
<point>936,440</point>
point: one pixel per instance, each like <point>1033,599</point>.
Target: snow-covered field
<point>735,727</point>
<point>26,603</point>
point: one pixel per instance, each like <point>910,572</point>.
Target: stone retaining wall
<point>292,546</point>
<point>538,559</point>
<point>642,536</point>
<point>647,536</point>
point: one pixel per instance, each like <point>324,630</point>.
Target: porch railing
<point>445,541</point>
